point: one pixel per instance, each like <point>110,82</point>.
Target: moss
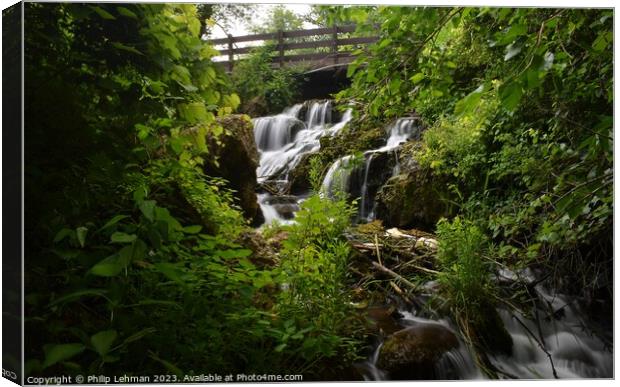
<point>489,330</point>
<point>372,228</point>
<point>353,138</point>
<point>411,200</point>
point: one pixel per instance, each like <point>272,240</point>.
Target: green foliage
<point>133,251</point>
<point>263,88</point>
<point>518,105</point>
<point>316,299</point>
<point>465,272</point>
<point>278,18</point>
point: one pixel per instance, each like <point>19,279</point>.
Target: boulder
<point>411,353</point>
<point>298,176</point>
<point>410,200</point>
<point>286,211</point>
<point>237,159</point>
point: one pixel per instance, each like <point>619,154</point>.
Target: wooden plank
<point>315,55</point>
<point>245,38</point>
<point>315,44</point>
<point>287,34</point>
<point>358,40</point>
<point>318,31</point>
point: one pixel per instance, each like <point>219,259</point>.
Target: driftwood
<point>389,272</point>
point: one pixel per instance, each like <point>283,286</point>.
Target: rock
<point>426,244</point>
<point>286,211</point>
<point>489,330</point>
<point>408,200</point>
<point>255,107</point>
<point>382,320</point>
<point>411,353</point>
<point>281,199</point>
<point>298,176</point>
<point>238,159</point>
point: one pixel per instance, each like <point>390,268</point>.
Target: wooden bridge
<point>334,47</point>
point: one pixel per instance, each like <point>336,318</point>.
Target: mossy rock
<point>238,159</point>
<point>410,200</point>
<point>411,353</point>
<point>490,332</point>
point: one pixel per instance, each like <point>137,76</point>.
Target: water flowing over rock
<point>284,140</point>
<point>412,352</point>
<point>363,179</point>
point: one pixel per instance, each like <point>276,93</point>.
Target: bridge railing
<point>334,42</point>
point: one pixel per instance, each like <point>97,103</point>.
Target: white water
<point>457,363</point>
<point>575,351</point>
<point>284,139</point>
<point>281,149</point>
<point>339,174</point>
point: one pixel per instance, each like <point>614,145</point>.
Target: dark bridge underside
<point>319,84</point>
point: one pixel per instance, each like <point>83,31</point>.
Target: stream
<point>555,340</point>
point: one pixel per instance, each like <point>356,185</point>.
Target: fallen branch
<point>385,270</point>
<point>378,251</point>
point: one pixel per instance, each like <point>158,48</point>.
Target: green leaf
<point>602,41</point>
<point>140,334</point>
<point>169,366</point>
<point>121,237</point>
<point>513,32</point>
<point>385,42</point>
<point>469,102</point>
<point>81,235</point>
<point>102,341</point>
<point>192,229</point>
<point>103,13</point>
<point>128,254</point>
<point>417,78</point>
<point>126,12</point>
<point>108,267</point>
<point>113,221</point>
<point>121,46</point>
<point>79,294</point>
<point>229,254</point>
<point>61,352</point>
<point>195,112</point>
<point>147,207</point>
<point>171,271</point>
<point>510,95</point>
<point>62,234</point>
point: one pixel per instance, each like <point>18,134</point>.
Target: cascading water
<point>554,336</point>
<point>403,129</point>
<point>558,326</point>
<point>284,139</point>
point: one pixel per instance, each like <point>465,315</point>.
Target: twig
<point>555,374</point>
<point>377,249</point>
<point>401,293</point>
<point>394,275</point>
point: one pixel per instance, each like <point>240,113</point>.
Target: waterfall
<point>341,175</point>
<point>284,139</point>
<point>556,323</point>
<point>337,177</point>
<point>403,129</point>
<point>364,196</point>
<point>319,114</point>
